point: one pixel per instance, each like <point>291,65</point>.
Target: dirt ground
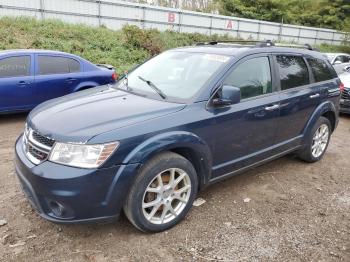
<point>296,212</point>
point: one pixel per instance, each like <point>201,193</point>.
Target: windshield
<point>178,75</point>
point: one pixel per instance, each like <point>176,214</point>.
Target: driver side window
<point>253,77</point>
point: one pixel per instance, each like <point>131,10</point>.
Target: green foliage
<point>99,45</point>
<point>122,49</point>
<point>269,10</point>
<point>334,14</point>
<point>334,48</point>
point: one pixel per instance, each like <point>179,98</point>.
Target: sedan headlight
<point>80,155</point>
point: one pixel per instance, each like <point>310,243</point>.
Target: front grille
<point>37,146</point>
<point>43,140</point>
<point>345,94</point>
<point>38,154</point>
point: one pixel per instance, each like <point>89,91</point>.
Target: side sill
<point>243,169</point>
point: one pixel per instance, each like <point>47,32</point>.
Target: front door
<point>16,83</point>
<point>245,132</point>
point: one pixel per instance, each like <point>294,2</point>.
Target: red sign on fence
<point>171,17</point>
<point>229,24</point>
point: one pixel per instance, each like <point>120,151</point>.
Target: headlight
<point>79,155</point>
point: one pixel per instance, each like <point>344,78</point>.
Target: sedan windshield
<point>173,74</point>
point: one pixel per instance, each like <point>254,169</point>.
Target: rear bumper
<point>64,194</point>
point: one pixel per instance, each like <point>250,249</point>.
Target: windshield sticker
<point>217,58</point>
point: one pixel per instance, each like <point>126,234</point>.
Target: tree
<point>334,14</point>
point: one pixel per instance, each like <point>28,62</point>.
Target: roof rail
<point>305,46</point>
<point>256,43</point>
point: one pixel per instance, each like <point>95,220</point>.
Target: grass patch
<point>122,49</point>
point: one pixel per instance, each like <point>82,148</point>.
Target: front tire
<point>317,141</point>
<point>162,193</point>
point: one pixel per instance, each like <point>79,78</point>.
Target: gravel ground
<point>296,212</point>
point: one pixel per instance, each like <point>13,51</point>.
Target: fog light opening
<point>57,209</point>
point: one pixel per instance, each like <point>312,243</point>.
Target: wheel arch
<point>326,109</point>
<point>330,115</point>
<point>85,85</point>
<point>186,144</point>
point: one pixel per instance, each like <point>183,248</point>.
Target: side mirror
<point>346,69</point>
<point>228,95</point>
<point>337,62</point>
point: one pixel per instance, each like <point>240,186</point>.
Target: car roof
<point>234,50</point>
<point>30,51</point>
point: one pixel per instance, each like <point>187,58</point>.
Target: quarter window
<point>253,77</point>
<point>292,71</point>
<point>320,69</point>
<point>57,65</point>
<point>15,66</point>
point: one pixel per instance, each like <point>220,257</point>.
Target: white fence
<point>114,14</point>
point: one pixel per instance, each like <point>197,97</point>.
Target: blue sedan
<point>30,77</point>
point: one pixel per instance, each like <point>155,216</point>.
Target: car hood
<point>80,116</point>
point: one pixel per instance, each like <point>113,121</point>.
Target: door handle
<point>271,108</point>
<point>70,79</point>
<point>315,95</point>
<point>22,83</point>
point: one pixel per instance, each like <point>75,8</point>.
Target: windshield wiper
<point>153,86</point>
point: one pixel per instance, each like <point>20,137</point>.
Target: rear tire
<point>317,142</point>
<point>162,193</point>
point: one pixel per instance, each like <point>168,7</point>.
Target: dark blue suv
<point>177,123</point>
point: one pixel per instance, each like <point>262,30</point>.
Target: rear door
<point>299,97</point>
<point>16,83</point>
<point>55,76</point>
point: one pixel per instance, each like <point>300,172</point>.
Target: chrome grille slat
<point>37,147</point>
<point>43,140</point>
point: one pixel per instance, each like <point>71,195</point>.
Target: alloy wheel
<point>320,140</point>
<point>166,196</point>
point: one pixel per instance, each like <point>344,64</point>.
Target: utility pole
<point>280,32</point>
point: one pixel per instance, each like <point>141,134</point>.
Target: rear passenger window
<point>293,71</point>
<point>57,65</point>
<point>15,66</point>
<point>74,66</point>
<point>253,77</point>
<point>320,69</point>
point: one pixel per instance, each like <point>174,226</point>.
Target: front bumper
<point>344,106</point>
<point>64,194</point>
